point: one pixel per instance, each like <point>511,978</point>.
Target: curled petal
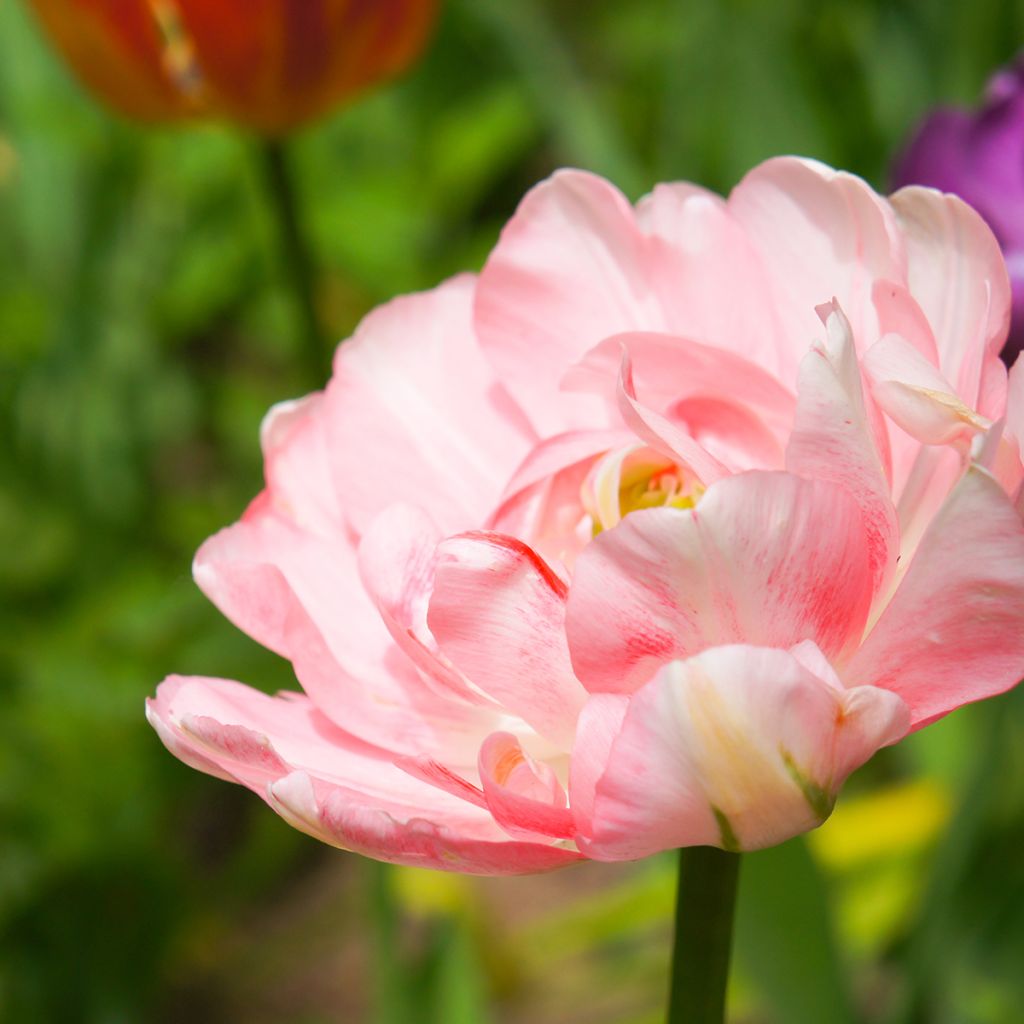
<point>738,747</point>
<point>524,795</point>
<point>498,612</point>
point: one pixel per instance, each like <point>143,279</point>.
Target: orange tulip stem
<point>705,905</point>
<point>296,260</point>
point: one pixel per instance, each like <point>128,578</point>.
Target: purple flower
<point>979,155</point>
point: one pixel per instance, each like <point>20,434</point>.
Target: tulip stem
<point>296,260</point>
<point>705,901</point>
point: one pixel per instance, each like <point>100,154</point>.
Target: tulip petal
<point>327,783</point>
<point>915,395</point>
<point>570,269</point>
<point>957,274</point>
<point>116,49</point>
<point>273,65</point>
<point>445,436</point>
<point>954,631</point>
<point>738,747</point>
<point>833,439</point>
<point>498,612</point>
<point>821,233</point>
<point>764,558</point>
<point>524,795</point>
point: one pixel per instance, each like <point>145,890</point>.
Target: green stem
<point>390,987</point>
<point>705,902</point>
<point>295,257</point>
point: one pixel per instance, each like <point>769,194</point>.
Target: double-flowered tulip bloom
<point>267,64</point>
<point>979,155</point>
<point>645,537</point>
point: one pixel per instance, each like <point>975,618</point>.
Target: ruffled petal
<point>738,747</point>
<point>571,267</point>
<point>764,558</point>
<point>327,783</point>
<point>524,795</point>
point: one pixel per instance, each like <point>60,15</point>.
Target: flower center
<point>631,479</point>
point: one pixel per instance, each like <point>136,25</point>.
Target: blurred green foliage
<point>143,332</point>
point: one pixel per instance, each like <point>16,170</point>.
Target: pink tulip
<point>645,537</point>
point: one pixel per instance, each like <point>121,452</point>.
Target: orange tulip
<point>267,64</point>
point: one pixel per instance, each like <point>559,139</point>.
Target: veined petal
<point>570,269</point>
<point>327,783</point>
<point>498,612</point>
<point>834,439</point>
<point>957,275</point>
<point>954,630</point>
<point>820,233</point>
<point>738,747</point>
<point>764,558</point>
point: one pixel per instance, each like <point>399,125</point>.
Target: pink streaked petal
<point>954,631</point>
<point>571,267</point>
<point>328,784</point>
<point>524,795</point>
<point>335,817</point>
<point>764,558</point>
<point>498,612</point>
<point>739,747</point>
<point>957,275</point>
<point>257,570</point>
<point>444,434</point>
<point>833,439</point>
<point>820,233</point>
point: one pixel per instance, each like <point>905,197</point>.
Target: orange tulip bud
<point>267,64</point>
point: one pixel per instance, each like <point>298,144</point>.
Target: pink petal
<point>329,784</point>
<point>954,631</point>
<point>599,723</point>
<point>738,747</point>
<point>714,285</point>
<point>765,558</point>
<point>957,275</point>
<point>397,561</point>
<point>820,233</point>
<point>300,595</point>
<point>415,415</point>
<point>570,269</point>
<point>665,437</point>
<point>667,368</point>
<point>915,395</point>
<point>498,612</point>
<point>524,795</point>
<point>833,439</point>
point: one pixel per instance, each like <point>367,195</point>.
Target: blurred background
<point>146,325</point>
